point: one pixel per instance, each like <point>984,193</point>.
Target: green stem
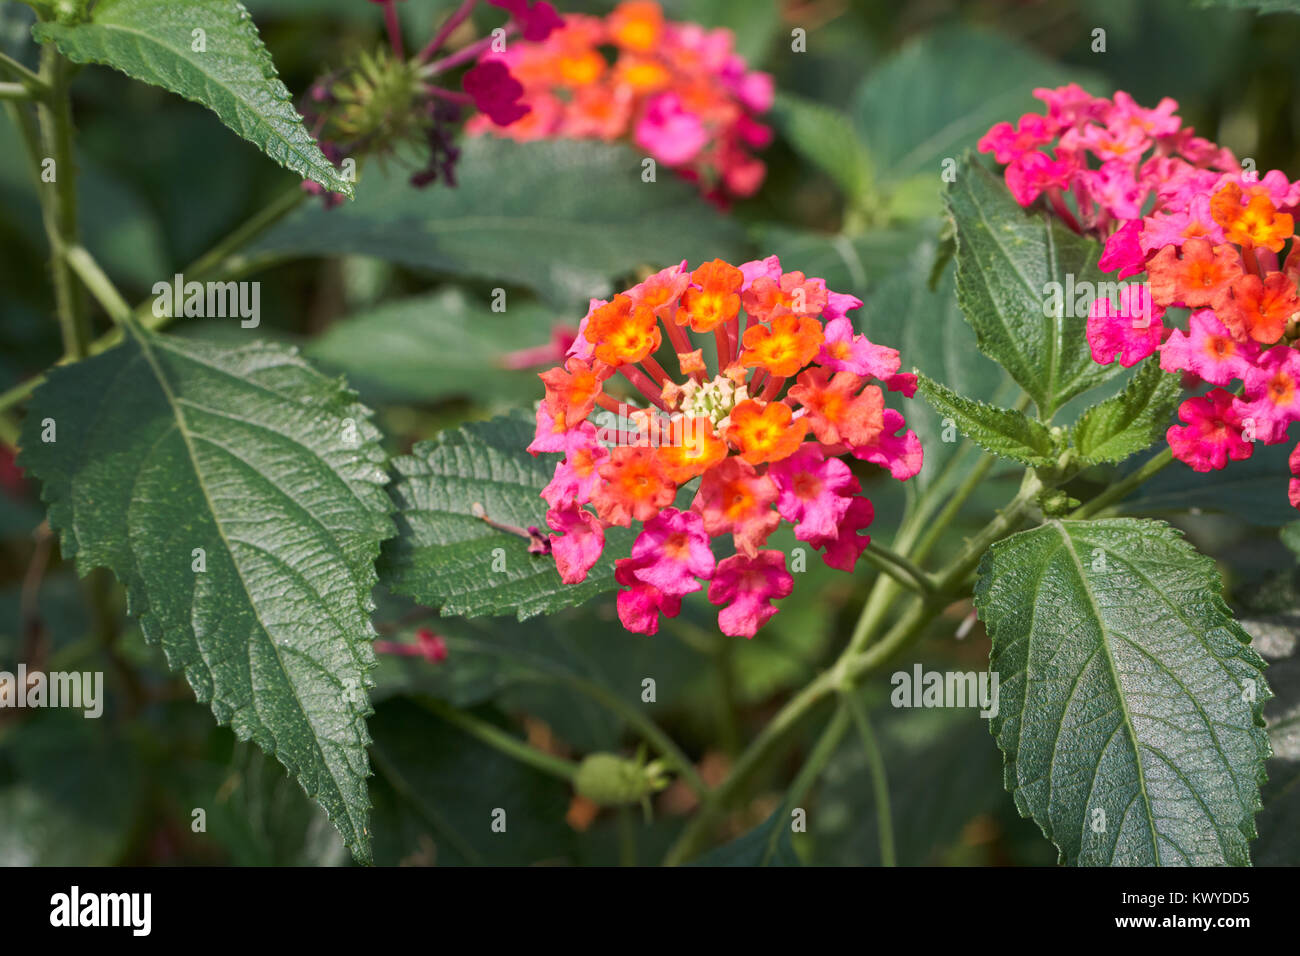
<point>31,81</point>
<point>812,768</point>
<point>1121,489</point>
<point>499,739</point>
<point>15,91</point>
<point>899,568</point>
<point>99,284</point>
<point>879,781</point>
<point>59,205</point>
<point>9,430</point>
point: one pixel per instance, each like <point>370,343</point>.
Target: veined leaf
<point>1127,423</point>
<point>512,218</point>
<point>1003,431</point>
<point>1015,271</point>
<point>448,557</point>
<point>826,137</point>
<point>1131,701</point>
<point>436,346</point>
<point>230,72</point>
<point>238,495</point>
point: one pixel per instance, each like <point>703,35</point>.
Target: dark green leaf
<point>1007,262</point>
<point>1003,431</point>
<point>154,40</point>
<point>1131,421</point>
<point>1131,701</point>
<point>447,557</point>
<point>826,138</point>
<point>561,217</point>
<point>164,446</point>
<point>768,844</point>
<point>1254,489</point>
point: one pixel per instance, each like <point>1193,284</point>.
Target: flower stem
<point>1120,489</point>
<point>879,781</point>
<point>448,27</point>
<point>812,768</point>
<point>98,284</point>
<point>899,568</point>
<point>501,740</point>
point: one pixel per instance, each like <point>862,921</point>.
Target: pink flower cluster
<point>1210,237</point>
<point>679,91</point>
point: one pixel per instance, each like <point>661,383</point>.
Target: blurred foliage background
<point>884,93</point>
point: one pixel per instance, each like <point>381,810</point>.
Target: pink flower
<point>1212,434</point>
<point>640,604</point>
<point>1113,188</point>
<point>1176,226</point>
<point>577,476</point>
<point>1293,488</point>
<point>904,382</point>
<point>1031,173</point>
<point>672,551</point>
<point>769,268</point>
<point>495,92</point>
<point>839,304</point>
<point>1006,142</point>
<point>1068,105</point>
<point>1208,349</point>
<point>843,351</point>
<point>747,586</point>
<point>1273,393</point>
<point>549,437</point>
<point>814,491</point>
<point>901,454</point>
<point>845,546</point>
<point>670,132</point>
<point>734,498</point>
<point>581,348</point>
<point>582,542</point>
<point>1131,328</point>
<point>1123,251</point>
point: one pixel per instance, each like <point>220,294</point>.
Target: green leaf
<point>1002,431</point>
<point>1254,489</point>
<point>1290,535</point>
<point>153,41</point>
<point>1131,421</point>
<point>768,844</point>
<point>447,557</point>
<point>937,96</point>
<point>825,137</point>
<point>927,328</point>
<point>1279,821</point>
<point>437,790</point>
<point>1010,262</point>
<point>164,446</point>
<point>1131,701</point>
<point>436,346</point>
<point>512,218</point>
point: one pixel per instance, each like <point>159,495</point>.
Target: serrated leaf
<point>934,98</point>
<point>447,557</point>
<point>1002,431</point>
<point>153,41</point>
<point>512,218</point>
<point>1126,423</point>
<point>768,844</point>
<point>825,137</point>
<point>1131,702</point>
<point>1007,259</point>
<point>164,446</point>
<point>436,346</point>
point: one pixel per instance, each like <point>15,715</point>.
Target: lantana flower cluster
<point>762,435</point>
<point>679,91</point>
<point>1210,236</point>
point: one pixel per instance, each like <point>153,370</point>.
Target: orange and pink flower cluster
<point>758,433</point>
<point>1210,237</point>
<point>678,91</point>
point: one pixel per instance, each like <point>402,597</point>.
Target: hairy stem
<point>503,741</point>
<point>1121,489</point>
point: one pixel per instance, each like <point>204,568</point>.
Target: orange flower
<point>1195,279</point>
<point>697,448</point>
<point>571,391</point>
<point>622,332</point>
<point>635,487</point>
<point>765,432</point>
<point>1258,223</point>
<point>786,347</point>
<point>636,25</point>
<point>795,294</point>
<point>717,299</point>
<point>1258,309</point>
<point>836,411</point>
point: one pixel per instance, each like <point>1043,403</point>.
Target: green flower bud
<point>611,781</point>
